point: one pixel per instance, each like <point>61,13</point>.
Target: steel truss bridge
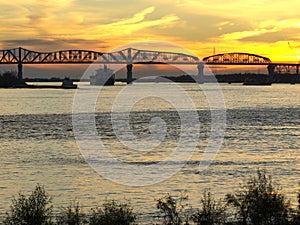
<point>125,56</point>
<point>132,56</point>
<point>238,58</point>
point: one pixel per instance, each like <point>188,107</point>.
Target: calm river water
<point>38,143</point>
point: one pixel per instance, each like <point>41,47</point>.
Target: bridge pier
<point>200,77</point>
<point>129,73</point>
<point>20,70</point>
<point>271,71</point>
<point>297,73</point>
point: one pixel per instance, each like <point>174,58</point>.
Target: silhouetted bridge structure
<point>130,56</point>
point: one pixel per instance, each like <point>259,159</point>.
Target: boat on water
<point>103,76</point>
<point>68,84</point>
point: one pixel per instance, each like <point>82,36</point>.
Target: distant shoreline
<point>224,78</point>
<point>255,79</point>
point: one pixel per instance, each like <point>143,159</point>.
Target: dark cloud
<point>105,12</point>
<point>271,37</point>
<point>54,44</point>
<point>193,26</point>
<point>34,18</point>
<point>26,42</point>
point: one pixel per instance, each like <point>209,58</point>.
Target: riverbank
<point>10,79</point>
<point>31,86</point>
<point>240,78</point>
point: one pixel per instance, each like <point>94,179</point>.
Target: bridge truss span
<point>25,56</point>
<point>237,58</point>
<point>147,56</point>
<point>125,56</point>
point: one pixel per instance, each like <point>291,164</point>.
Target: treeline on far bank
<point>246,77</point>
<point>258,202</point>
<point>239,78</point>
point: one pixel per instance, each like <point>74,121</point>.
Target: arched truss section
<point>125,56</point>
<point>237,59</point>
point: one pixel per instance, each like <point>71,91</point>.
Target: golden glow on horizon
<point>259,27</point>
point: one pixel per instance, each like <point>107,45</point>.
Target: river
<point>38,143</point>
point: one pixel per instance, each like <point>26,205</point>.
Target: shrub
<point>30,210</point>
<point>71,215</point>
<point>260,203</point>
<point>113,213</point>
<point>210,213</point>
<point>173,209</point>
<point>296,219</point>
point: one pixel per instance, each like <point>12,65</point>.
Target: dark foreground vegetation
<point>258,202</point>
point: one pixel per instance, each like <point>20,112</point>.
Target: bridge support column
<point>297,73</point>
<point>200,77</point>
<point>20,70</point>
<point>129,73</point>
<point>271,71</point>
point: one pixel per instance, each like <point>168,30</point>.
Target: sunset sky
<point>266,27</point>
